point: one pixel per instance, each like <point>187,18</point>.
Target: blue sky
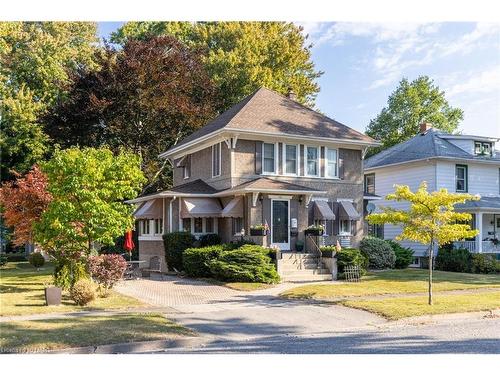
<point>363,63</point>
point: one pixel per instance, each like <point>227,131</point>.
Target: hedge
<point>404,255</point>
<point>454,260</point>
<point>175,243</point>
<point>210,239</point>
<point>196,260</point>
<point>379,252</point>
<point>351,257</point>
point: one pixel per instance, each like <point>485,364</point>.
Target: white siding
<point>483,178</point>
<point>409,174</point>
<point>465,144</point>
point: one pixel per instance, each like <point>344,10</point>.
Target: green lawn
<point>395,282</point>
<point>22,293</point>
<point>248,287</point>
<point>40,335</point>
<point>397,308</point>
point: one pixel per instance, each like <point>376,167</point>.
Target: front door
<point>280,218</point>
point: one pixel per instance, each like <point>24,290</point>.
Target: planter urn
<point>313,232</point>
<point>53,296</point>
<point>257,232</point>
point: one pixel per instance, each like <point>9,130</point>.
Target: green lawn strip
<point>51,334</point>
<point>394,282</point>
<point>22,293</point>
<point>248,287</point>
<point>397,308</point>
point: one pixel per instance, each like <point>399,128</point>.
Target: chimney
<point>291,94</point>
<point>424,127</point>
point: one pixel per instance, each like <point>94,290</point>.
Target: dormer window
<point>482,148</point>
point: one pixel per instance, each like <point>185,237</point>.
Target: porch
<point>487,241</point>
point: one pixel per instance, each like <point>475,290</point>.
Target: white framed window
<point>482,148</point>
<point>461,178</point>
<point>186,224</point>
<point>187,167</point>
<point>290,159</point>
<point>269,159</point>
<point>237,225</point>
<point>198,225</point>
<point>216,159</point>
<point>345,227</point>
<point>144,227</point>
<point>311,158</point>
<point>331,163</point>
<point>158,226</point>
<point>209,225</point>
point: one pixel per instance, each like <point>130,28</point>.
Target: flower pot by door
<point>53,296</point>
<point>257,232</point>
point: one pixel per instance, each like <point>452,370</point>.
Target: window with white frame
<point>186,224</point>
<point>158,226</point>
<point>209,225</point>
<point>312,159</point>
<point>461,178</point>
<point>144,227</point>
<point>187,167</point>
<point>482,148</point>
<point>345,227</point>
<point>198,225</point>
<point>290,157</point>
<point>268,158</point>
<point>216,160</point>
<point>331,163</point>
<point>237,225</point>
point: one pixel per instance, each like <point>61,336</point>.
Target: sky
<point>363,63</point>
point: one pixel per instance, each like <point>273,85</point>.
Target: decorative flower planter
<point>53,296</point>
<point>257,232</point>
<point>313,232</point>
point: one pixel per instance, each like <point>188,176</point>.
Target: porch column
<point>479,237</point>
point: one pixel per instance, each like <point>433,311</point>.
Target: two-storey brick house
<point>266,160</point>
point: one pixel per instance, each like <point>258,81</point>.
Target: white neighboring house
<point>459,163</point>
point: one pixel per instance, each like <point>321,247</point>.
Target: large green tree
<point>407,107</point>
<point>243,56</point>
<point>145,97</point>
<point>36,59</point>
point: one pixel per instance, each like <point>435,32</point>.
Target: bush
<point>484,263</point>
<point>107,270</point>
<point>379,252</point>
<point>83,292</point>
<point>16,257</point>
<point>36,260</point>
<point>67,273</point>
<point>3,259</point>
<point>175,243</point>
<point>196,260</point>
<point>454,260</point>
<point>351,257</point>
<point>328,251</point>
<point>210,239</point>
<point>404,255</point>
<point>250,263</point>
<point>237,244</point>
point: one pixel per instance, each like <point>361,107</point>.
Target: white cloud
<point>487,81</point>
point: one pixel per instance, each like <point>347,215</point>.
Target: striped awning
<point>152,209</point>
<point>347,211</point>
<point>200,207</point>
<point>322,211</point>
<point>234,208</point>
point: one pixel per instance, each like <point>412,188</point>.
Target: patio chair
<point>154,266</point>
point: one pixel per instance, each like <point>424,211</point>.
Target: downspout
<point>170,224</point>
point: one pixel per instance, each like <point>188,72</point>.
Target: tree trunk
<point>431,253</point>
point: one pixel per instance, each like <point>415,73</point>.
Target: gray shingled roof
<point>267,111</point>
<point>484,202</point>
<point>421,146</point>
<point>269,184</point>
<point>195,187</point>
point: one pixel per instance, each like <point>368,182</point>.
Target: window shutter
<point>258,157</point>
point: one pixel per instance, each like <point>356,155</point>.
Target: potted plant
<point>258,230</point>
<point>299,245</point>
<point>314,230</point>
<point>52,295</point>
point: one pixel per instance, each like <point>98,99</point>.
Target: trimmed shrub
<point>379,252</point>
<point>327,251</point>
<point>16,257</point>
<point>107,270</point>
<point>67,273</point>
<point>484,263</point>
<point>237,244</point>
<point>250,263</point>
<point>175,243</point>
<point>83,292</point>
<point>210,239</point>
<point>36,260</point>
<point>351,257</point>
<point>196,260</point>
<point>454,260</point>
<point>404,255</point>
<point>3,259</point>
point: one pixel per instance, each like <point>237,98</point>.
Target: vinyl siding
<point>482,179</point>
<point>465,144</point>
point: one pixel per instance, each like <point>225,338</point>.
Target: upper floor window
<point>187,167</point>
<point>269,158</point>
<point>370,183</point>
<point>290,158</point>
<point>482,148</point>
<point>461,178</point>
<point>331,163</point>
<point>312,158</point>
<point>216,160</point>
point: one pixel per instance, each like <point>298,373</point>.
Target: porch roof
<point>200,207</point>
<point>322,211</point>
<point>151,209</point>
<point>483,204</point>
<point>268,185</point>
<point>348,212</point>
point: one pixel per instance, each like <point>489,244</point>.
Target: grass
<point>42,335</point>
<point>248,287</point>
<point>22,293</point>
<point>395,282</point>
<point>397,308</point>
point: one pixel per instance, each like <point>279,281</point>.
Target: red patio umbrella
<point>128,245</point>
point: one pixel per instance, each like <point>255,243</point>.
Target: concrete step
<point>296,267</point>
<point>305,278</point>
<point>299,262</point>
<point>287,256</point>
<point>316,271</point>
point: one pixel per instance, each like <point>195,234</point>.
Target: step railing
<point>316,250</point>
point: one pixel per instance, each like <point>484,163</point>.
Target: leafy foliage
<point>379,253</point>
<point>454,260</point>
<point>83,292</point>
<point>68,271</point>
<point>23,201</point>
<point>196,260</point>
<point>404,255</point>
<point>210,239</point>
<point>328,251</point>
<point>407,107</point>
<point>36,260</point>
<point>351,257</point>
<point>107,270</point>
<point>484,263</point>
<point>242,56</point>
<point>175,244</point>
<point>3,259</point>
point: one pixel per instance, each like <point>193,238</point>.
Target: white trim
<point>318,165</point>
<point>276,151</point>
<point>219,146</point>
<point>457,160</point>
<point>297,152</point>
<point>336,162</point>
<point>282,246</point>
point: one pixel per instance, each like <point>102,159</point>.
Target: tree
<point>36,59</point>
<point>88,187</point>
<point>23,201</point>
<point>411,104</point>
<point>431,218</point>
<point>243,56</point>
<point>144,98</point>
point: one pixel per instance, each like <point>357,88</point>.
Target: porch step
<point>304,278</point>
<point>297,256</point>
<point>300,266</point>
